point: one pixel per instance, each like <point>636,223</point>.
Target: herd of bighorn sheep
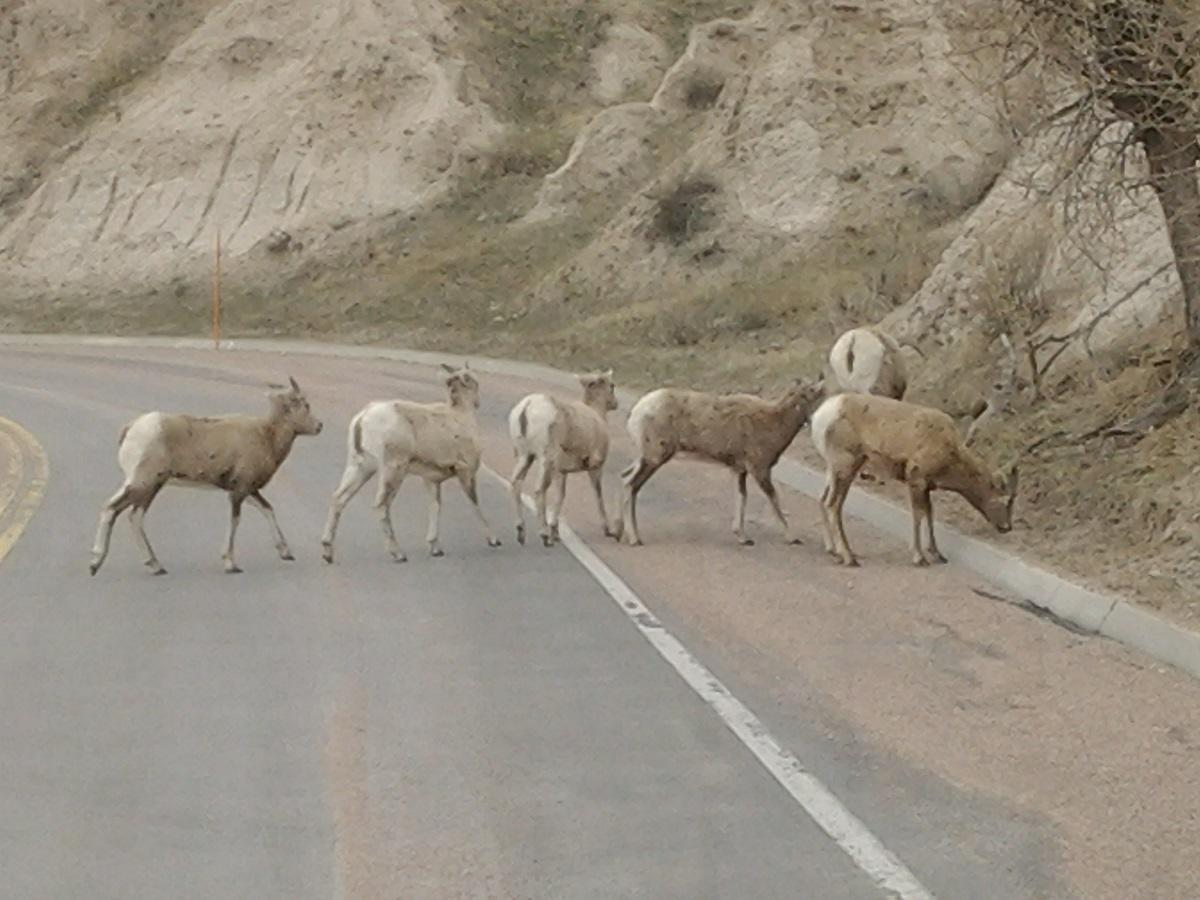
<point>856,409</point>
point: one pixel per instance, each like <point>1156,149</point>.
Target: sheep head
<point>997,507</point>
<point>290,405</point>
<point>599,391</point>
<point>462,386</point>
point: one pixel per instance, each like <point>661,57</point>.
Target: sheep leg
<point>637,476</point>
<point>739,515</point>
<point>837,498</point>
<point>557,505</point>
<point>515,483</point>
<point>596,477</point>
<point>259,502</point>
<point>545,478</point>
<point>935,555</point>
<point>108,515</point>
<point>826,523</point>
<point>922,508</point>
<point>136,516</point>
<point>389,482</point>
<point>767,486</point>
<point>235,515</point>
<point>470,487</point>
<point>435,510</point>
<point>358,472</point>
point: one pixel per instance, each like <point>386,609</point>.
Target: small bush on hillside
<point>703,93</point>
<point>683,211</point>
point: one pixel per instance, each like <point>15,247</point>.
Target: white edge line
<point>822,806</point>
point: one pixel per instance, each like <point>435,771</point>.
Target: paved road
<point>491,724</point>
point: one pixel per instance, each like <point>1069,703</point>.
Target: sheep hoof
<point>920,561</point>
<point>233,570</point>
<point>521,535</point>
<point>494,542</point>
<point>547,540</point>
<point>937,559</point>
<point>437,552</point>
<point>400,558</point>
<point>159,571</point>
<point>93,568</point>
<point>327,555</point>
<point>287,556</point>
<point>746,542</point>
<point>796,542</point>
<point>614,533</point>
<point>850,563</point>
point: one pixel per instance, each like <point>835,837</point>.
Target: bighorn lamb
<point>563,437</point>
<point>237,454</point>
<point>436,441</point>
<point>914,444</point>
<point>868,361</point>
<point>743,432</point>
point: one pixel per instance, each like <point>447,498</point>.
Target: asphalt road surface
<point>492,724</point>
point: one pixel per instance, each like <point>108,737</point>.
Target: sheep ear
<point>448,367</point>
<point>295,387</point>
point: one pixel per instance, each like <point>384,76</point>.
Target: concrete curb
<point>1091,612</point>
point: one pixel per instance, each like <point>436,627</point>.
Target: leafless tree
<point>1132,96</point>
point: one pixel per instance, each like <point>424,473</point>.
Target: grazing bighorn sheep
<point>743,432</point>
<point>237,454</point>
<point>564,437</point>
<point>436,441</point>
<point>868,361</point>
<point>914,444</point>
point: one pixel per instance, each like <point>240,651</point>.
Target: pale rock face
<point>293,116</point>
<point>628,64</point>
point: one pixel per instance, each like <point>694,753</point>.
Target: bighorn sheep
<point>914,444</point>
<point>564,437</point>
<point>237,454</point>
<point>868,361</point>
<point>437,441</point>
<point>743,432</point>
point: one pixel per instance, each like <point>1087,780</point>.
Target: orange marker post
<point>216,293</point>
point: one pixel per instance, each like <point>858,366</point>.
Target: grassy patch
<point>534,55</point>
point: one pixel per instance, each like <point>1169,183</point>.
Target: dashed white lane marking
<point>821,805</point>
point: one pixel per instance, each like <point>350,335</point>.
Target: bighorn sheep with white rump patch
<point>563,437</point>
<point>436,441</point>
<point>743,432</point>
<point>868,361</point>
<point>237,454</point>
<point>914,444</point>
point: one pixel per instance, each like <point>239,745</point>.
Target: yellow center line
<point>10,477</point>
<point>26,503</point>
